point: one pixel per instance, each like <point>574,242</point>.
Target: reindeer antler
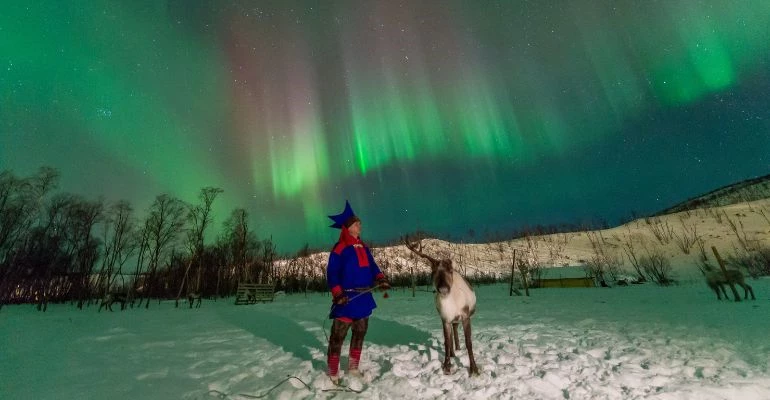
<point>412,247</point>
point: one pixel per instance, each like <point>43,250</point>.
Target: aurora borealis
<point>442,116</point>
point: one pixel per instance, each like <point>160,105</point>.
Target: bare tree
<point>747,243</point>
<point>139,285</point>
<point>68,250</point>
<point>656,267</point>
<point>660,229</point>
<point>119,243</point>
<point>218,254</point>
<point>523,273</point>
<point>702,256</point>
<point>268,255</point>
<point>763,213</point>
<point>240,245</point>
<point>21,203</point>
<point>165,220</point>
<point>55,232</point>
<point>687,237</point>
<point>84,216</point>
<point>530,263</point>
<point>15,223</point>
<point>604,263</point>
<point>199,217</point>
<point>14,214</point>
<point>630,249</point>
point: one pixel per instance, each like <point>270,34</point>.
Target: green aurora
<point>484,116</point>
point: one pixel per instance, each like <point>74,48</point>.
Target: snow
<point>636,342</point>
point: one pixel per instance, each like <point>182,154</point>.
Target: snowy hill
<point>741,192</point>
<point>684,238</point>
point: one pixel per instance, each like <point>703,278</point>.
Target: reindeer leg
<point>447,347</point>
<point>455,336</point>
<point>735,292</point>
<point>723,292</point>
<point>473,369</point>
<point>746,290</point>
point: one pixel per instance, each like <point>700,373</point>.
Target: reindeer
<point>717,280</point>
<point>111,298</point>
<point>455,303</point>
<point>192,297</point>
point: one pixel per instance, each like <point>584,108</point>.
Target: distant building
<point>563,277</point>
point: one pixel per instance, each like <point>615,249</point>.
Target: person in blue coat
<point>351,274</point>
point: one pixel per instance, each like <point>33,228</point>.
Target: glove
<point>341,300</point>
<point>383,284</point>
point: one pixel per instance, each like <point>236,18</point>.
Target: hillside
<point>728,228</point>
<point>741,192</point>
<point>684,238</point>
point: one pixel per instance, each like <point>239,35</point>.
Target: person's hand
<point>341,300</point>
<point>383,284</point>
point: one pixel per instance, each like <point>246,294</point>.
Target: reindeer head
<point>441,270</point>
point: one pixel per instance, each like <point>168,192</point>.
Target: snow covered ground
<point>638,342</point>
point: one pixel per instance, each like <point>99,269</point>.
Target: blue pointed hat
<point>343,218</point>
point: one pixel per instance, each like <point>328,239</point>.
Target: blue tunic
<point>350,270</point>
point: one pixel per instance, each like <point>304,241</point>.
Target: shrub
<point>656,267</point>
<point>756,261</point>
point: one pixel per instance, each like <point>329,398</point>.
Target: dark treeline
<point>57,247</point>
<point>60,247</point>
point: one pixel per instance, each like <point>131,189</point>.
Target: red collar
<point>346,239</point>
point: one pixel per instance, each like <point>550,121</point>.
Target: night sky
<point>445,116</point>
